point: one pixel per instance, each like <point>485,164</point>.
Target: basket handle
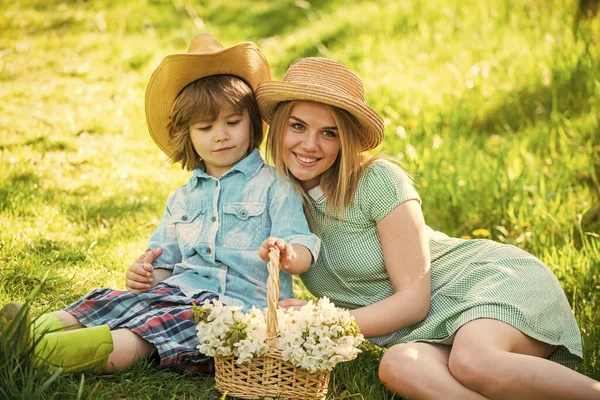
<point>272,294</point>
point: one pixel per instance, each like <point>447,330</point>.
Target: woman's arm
<point>403,237</point>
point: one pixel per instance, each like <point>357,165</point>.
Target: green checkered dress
<point>470,279</point>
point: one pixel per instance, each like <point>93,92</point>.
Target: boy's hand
<point>139,274</point>
<point>287,252</point>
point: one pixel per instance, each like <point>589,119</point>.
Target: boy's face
<point>223,142</point>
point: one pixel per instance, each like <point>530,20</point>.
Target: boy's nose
<point>221,136</point>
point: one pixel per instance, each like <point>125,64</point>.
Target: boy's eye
<point>234,122</point>
<point>200,126</point>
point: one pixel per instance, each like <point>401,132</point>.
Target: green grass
<point>492,106</point>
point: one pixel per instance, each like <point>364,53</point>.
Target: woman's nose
<point>310,141</point>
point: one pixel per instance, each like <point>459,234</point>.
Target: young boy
<point>216,230</point>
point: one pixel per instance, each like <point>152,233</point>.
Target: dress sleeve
<point>382,188</point>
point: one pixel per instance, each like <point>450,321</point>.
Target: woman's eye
<point>297,126</point>
<point>330,134</point>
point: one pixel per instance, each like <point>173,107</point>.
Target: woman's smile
<point>306,159</point>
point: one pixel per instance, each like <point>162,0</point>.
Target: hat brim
<point>270,94</point>
<point>176,71</point>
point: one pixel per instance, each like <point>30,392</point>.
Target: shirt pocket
<point>243,225</point>
<point>188,226</point>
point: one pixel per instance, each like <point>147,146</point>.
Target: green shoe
<point>76,350</point>
<point>15,326</point>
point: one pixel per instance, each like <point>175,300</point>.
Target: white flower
<point>316,337</point>
<point>225,331</point>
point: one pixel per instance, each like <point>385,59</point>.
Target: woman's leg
<point>498,361</point>
<point>420,371</point>
<point>128,347</point>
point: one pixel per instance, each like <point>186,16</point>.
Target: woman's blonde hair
<point>340,181</point>
<point>202,100</point>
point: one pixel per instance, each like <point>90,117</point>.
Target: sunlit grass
<point>492,106</point>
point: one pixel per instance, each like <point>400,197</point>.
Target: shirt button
<point>184,217</point>
<point>213,219</point>
<point>208,251</point>
<point>243,213</point>
<point>217,183</point>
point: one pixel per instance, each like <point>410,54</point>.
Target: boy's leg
<point>67,320</point>
<point>497,360</point>
<point>54,321</point>
<point>128,347</point>
<point>420,371</point>
<point>75,350</point>
<point>95,349</point>
<point>36,328</point>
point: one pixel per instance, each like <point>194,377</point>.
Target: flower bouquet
<point>284,353</point>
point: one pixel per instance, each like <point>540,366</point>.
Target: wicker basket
<point>269,376</point>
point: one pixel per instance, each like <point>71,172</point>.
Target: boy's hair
<point>340,181</point>
<point>202,100</point>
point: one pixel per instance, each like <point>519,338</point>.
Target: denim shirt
<point>212,228</point>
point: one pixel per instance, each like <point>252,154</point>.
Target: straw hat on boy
<point>323,81</point>
<point>205,57</point>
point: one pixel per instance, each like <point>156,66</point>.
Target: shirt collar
<point>317,194</point>
<point>248,166</point>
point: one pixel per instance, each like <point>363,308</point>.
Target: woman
<point>462,319</point>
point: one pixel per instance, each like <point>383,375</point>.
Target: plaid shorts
<point>162,316</point>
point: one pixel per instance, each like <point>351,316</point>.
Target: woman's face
<point>311,142</point>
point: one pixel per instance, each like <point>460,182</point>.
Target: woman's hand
<point>287,252</point>
<point>296,304</point>
<point>139,276</point>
